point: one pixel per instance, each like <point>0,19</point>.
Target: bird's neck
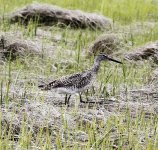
<point>96,66</point>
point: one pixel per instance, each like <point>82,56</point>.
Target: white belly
<point>71,91</point>
<point>65,91</point>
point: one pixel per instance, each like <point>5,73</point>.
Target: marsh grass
<point>19,80</point>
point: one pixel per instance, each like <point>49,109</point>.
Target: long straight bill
<point>114,60</point>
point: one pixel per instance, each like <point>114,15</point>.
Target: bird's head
<point>103,57</point>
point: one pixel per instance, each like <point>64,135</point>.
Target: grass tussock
<point>148,51</point>
<point>45,14</point>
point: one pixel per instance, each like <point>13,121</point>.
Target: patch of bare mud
<point>46,111</point>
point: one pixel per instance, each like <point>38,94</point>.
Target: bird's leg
<point>90,102</point>
<point>65,99</point>
<point>68,99</point>
<point>93,90</point>
<point>86,94</point>
<point>81,101</point>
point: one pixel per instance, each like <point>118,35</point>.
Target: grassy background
<point>137,18</point>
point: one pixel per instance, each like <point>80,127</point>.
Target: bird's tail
<point>44,86</point>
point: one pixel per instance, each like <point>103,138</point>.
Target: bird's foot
<point>81,101</point>
<point>89,101</point>
<point>92,102</point>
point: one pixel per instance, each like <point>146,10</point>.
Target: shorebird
<point>79,82</point>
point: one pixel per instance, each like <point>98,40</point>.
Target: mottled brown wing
<point>66,81</point>
<point>85,80</point>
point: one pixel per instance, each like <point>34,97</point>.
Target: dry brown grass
<point>145,52</point>
<point>107,43</point>
<point>49,15</point>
